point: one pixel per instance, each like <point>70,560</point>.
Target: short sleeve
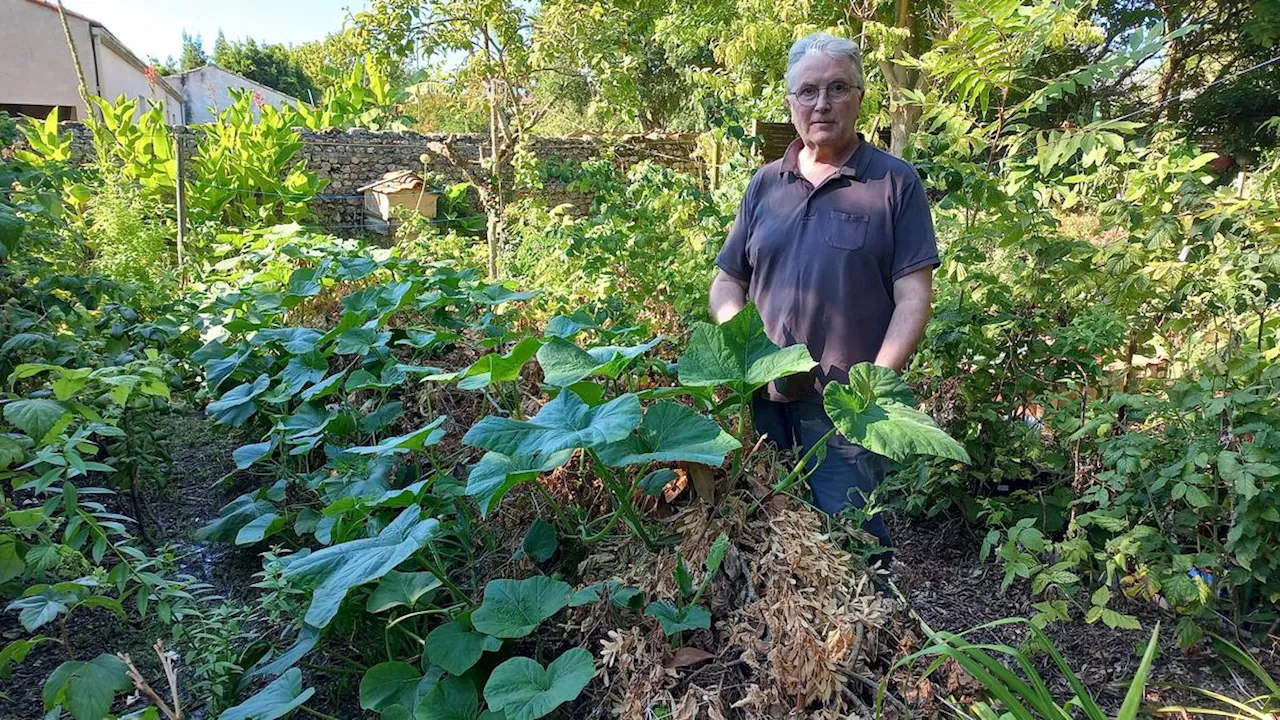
<point>914,243</point>
<point>733,258</point>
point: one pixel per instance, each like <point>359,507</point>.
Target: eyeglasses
<point>837,92</point>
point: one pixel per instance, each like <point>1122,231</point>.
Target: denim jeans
<point>848,468</point>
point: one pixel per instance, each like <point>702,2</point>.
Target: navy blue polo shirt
<point>820,263</point>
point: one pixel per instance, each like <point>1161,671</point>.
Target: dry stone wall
<point>353,158</point>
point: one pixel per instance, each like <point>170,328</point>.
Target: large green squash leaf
<point>237,404</point>
<point>453,698</point>
<point>564,363</point>
<point>563,424</point>
<point>294,340</point>
<point>671,431</point>
<point>234,516</point>
<point>739,355</point>
<point>400,589</point>
<point>335,570</point>
<point>86,689</point>
<point>521,689</point>
<point>674,619</point>
<point>875,411</point>
<point>394,683</point>
<point>457,649</point>
<point>492,368</point>
<point>427,435</point>
<point>276,700</point>
<point>515,608</point>
<point>496,474</point>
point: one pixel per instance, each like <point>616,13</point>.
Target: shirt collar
<point>855,167</point>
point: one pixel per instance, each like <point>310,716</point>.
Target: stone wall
<point>353,158</point>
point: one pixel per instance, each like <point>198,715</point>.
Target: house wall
<point>35,66</point>
<point>207,91</point>
<point>120,76</point>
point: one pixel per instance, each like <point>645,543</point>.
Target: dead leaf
<point>689,656</point>
<point>704,482</point>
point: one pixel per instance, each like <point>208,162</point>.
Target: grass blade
<point>1133,698</point>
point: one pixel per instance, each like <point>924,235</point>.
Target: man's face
<point>827,123</point>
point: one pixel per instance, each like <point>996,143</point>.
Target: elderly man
<point>835,245</point>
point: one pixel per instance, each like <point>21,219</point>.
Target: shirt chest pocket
<point>847,231</point>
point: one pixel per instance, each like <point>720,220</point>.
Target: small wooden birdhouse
<point>398,188</point>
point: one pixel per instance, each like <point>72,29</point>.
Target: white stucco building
<point>37,74</point>
<point>206,91</point>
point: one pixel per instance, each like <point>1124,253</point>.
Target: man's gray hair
<point>830,45</point>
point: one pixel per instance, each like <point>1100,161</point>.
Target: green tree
<point>193,55</point>
<point>326,61</point>
<point>271,65</point>
<point>502,62</point>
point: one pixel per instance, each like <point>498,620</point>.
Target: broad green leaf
<point>452,698</point>
<point>11,451</point>
<point>382,417</point>
<point>247,455</point>
<point>669,432</point>
<point>564,363</point>
<point>40,608</point>
<point>871,412</point>
<point>360,341</point>
<point>294,340</point>
<point>496,474</point>
<point>267,667</point>
<point>656,481</point>
<point>674,619</point>
<point>457,649</point>
<point>11,564</point>
<point>35,417</point>
<point>521,689</point>
<point>425,436</point>
<point>540,541</point>
<point>17,651</point>
<point>390,683</point>
<point>324,388</point>
<point>400,589</point>
<point>259,528</point>
<point>298,373</point>
<point>276,700</point>
<point>738,354</point>
<point>335,570</point>
<point>86,689</point>
<point>493,367</point>
<point>562,424</point>
<point>237,404</point>
<point>515,608</point>
<point>622,596</point>
<point>235,515</point>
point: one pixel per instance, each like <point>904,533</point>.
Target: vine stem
<point>792,477</point>
<point>624,502</point>
<point>449,585</point>
<point>597,537</point>
<point>555,506</point>
<point>317,713</point>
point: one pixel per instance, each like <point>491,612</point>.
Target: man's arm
<point>913,305</point>
<point>728,296</point>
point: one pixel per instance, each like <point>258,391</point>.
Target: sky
<point>153,28</point>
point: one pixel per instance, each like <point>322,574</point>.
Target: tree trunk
<point>903,122</point>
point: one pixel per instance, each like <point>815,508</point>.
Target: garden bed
<point>938,571</point>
